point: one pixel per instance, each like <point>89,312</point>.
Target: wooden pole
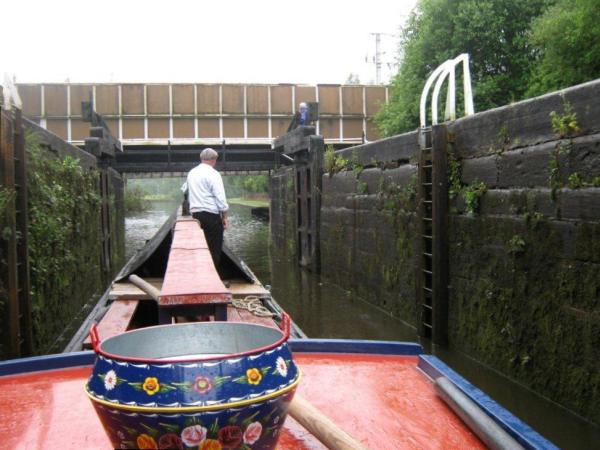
<point>145,286</point>
<point>332,436</point>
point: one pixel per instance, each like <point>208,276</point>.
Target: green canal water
<point>324,310</point>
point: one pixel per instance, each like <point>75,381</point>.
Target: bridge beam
<point>171,160</point>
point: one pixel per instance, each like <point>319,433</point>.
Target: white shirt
<point>205,190</point>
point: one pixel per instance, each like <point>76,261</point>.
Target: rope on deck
<point>253,304</point>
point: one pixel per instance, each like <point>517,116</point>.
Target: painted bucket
<point>208,385</point>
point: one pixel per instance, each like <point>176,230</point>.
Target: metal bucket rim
<point>285,334</point>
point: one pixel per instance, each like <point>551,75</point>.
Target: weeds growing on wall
<point>471,193</point>
<point>6,197</point>
<point>64,240</point>
<point>333,163</point>
<point>565,124</point>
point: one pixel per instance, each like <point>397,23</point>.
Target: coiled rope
<point>253,304</point>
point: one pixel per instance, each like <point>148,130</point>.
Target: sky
<point>231,41</point>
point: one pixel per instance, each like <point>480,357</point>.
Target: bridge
<point>163,127</point>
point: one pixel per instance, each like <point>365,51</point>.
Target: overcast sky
<point>310,41</point>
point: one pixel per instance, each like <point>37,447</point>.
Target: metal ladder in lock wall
<point>425,271</point>
<point>432,270</point>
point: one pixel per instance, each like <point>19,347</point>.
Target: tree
<point>568,38</point>
<point>493,32</point>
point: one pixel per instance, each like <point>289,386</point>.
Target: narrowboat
<point>349,393</point>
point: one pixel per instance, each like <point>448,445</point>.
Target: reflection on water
<point>140,227</point>
<point>325,310</point>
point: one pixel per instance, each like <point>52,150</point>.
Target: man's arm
<point>225,219</point>
<point>219,193</point>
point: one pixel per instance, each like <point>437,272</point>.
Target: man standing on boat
<point>208,205</point>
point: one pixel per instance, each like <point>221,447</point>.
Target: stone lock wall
<point>523,237</point>
<point>368,222</point>
<point>524,267</point>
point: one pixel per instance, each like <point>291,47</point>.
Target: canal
<point>323,309</point>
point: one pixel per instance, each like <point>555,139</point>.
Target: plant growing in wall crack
<point>471,193</point>
<point>565,124</point>
<point>516,245</point>
<point>333,163</point>
<point>6,197</point>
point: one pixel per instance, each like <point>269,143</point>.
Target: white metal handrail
<point>439,75</point>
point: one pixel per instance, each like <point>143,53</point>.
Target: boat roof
<point>379,392</point>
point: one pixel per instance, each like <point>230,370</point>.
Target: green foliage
<point>533,219</point>
<point>6,197</point>
<point>362,188</point>
<point>554,172</point>
<point>357,168</point>
<point>396,197</point>
<point>135,199</point>
<point>568,39</point>
<point>454,176</point>
<point>329,159</point>
<point>516,244</point>
<point>565,124</point>
<point>333,163</point>
<point>246,185</point>
<point>493,32</point>
<point>155,189</point>
<point>472,193</point>
<point>575,181</point>
<point>64,240</point>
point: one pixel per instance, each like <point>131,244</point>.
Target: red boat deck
<point>191,277</point>
<point>383,401</point>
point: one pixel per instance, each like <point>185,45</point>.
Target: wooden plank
<point>128,291</point>
<point>191,277</point>
<point>115,321</point>
<point>233,314</point>
<point>244,289</point>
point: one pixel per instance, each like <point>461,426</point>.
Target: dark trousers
<point>212,224</point>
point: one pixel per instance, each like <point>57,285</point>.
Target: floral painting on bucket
<point>252,427</point>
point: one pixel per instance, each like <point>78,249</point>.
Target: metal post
<point>169,155</point>
<point>224,155</point>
